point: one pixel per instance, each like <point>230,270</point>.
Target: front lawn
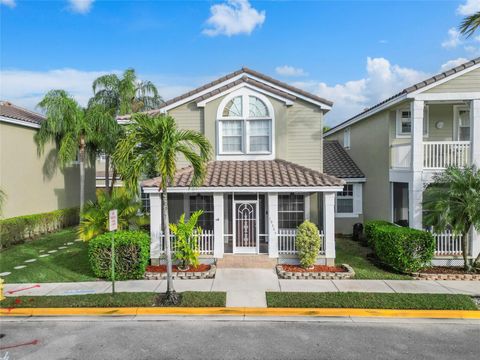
<point>352,253</point>
<point>370,301</point>
<point>133,299</point>
<point>69,264</point>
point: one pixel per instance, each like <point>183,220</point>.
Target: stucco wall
<point>345,225</point>
<point>31,183</point>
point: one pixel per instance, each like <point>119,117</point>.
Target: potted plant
<point>186,244</point>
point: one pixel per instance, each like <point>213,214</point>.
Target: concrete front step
<point>241,261</point>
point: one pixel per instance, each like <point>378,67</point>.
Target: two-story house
<point>268,172</point>
<point>403,141</point>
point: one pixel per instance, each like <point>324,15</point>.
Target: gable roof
<point>19,115</point>
<point>244,75</point>
<point>338,163</point>
<point>252,173</point>
<point>418,86</point>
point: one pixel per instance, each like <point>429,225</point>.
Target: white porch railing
<point>447,244</point>
<point>286,242</point>
<point>442,154</point>
<point>401,156</point>
<point>205,243</point>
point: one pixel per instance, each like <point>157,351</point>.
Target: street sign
<point>112,220</point>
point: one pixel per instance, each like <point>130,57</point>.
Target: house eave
<point>259,189</point>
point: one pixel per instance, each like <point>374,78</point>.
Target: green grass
<point>138,299</point>
<point>370,301</point>
<point>70,264</point>
<point>352,253</point>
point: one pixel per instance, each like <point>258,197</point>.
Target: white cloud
<point>287,70</point>
<point>9,3</point>
<point>381,81</point>
<point>469,8</point>
<point>232,18</point>
<point>453,63</point>
<point>453,39</point>
<point>81,6</point>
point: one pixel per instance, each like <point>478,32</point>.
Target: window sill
<point>347,215</point>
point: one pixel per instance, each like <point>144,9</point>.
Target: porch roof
<point>252,174</point>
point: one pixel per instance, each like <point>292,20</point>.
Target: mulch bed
<point>316,268</point>
<point>444,270</point>
<point>163,268</point>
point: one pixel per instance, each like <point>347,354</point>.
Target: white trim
<point>460,96</point>
<point>346,137</point>
<point>456,121</point>
<point>306,203</point>
<point>19,122</point>
<point>354,180</point>
<point>398,123</point>
<point>245,249</point>
<point>259,189</point>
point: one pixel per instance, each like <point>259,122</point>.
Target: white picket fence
<point>205,243</point>
<point>442,154</point>
<point>447,244</point>
<point>286,242</point>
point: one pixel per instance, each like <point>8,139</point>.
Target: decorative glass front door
<point>245,229</point>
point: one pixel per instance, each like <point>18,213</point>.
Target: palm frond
<point>470,24</point>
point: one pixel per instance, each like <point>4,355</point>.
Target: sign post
<point>112,227</point>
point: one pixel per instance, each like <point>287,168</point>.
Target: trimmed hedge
<point>369,228</point>
<point>404,249</point>
<point>132,253</point>
<point>18,229</point>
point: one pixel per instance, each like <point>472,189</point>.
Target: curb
<point>242,311</point>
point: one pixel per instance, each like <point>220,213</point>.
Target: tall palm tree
<point>470,24</point>
<point>155,141</point>
<point>72,128</point>
<point>122,96</point>
<point>453,201</point>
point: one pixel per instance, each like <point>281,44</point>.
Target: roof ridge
<point>10,104</point>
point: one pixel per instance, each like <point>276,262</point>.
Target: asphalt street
<point>201,339</point>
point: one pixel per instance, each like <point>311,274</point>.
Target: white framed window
<point>349,201</point>
<point>462,121</point>
<point>346,138</point>
<point>404,122</point>
<point>245,124</point>
<point>291,210</point>
<point>205,203</point>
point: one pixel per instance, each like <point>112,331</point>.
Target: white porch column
<point>218,216</point>
<point>155,227</point>
<point>272,225</point>
<point>329,226</point>
<point>474,243</point>
<point>416,184</point>
<point>475,132</point>
<point>307,205</point>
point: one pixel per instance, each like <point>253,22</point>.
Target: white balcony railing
<point>442,154</point>
<point>286,242</point>
<point>447,244</point>
<point>205,242</point>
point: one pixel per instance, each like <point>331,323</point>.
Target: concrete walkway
<point>247,287</point>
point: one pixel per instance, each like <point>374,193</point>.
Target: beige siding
<point>468,82</point>
<point>30,181</point>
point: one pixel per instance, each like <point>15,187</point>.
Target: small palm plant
<point>186,240</point>
<point>452,201</point>
<point>94,218</point>
<point>470,24</point>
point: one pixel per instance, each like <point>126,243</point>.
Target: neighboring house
<point>403,141</point>
<point>267,175</point>
<point>32,182</point>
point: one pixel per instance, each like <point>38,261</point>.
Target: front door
<point>245,229</point>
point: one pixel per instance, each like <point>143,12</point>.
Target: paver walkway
<point>247,287</point>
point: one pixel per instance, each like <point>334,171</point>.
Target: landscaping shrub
<point>404,249</point>
<point>18,229</point>
<point>370,227</point>
<point>186,240</point>
<point>132,252</point>
<point>307,243</point>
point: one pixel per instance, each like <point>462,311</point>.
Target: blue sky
<point>352,52</point>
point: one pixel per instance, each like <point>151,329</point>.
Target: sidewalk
<point>247,287</point>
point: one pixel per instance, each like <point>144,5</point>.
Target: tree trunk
<point>81,156</point>
<point>112,183</point>
<point>171,297</point>
<point>465,246</point>
<point>476,263</point>
<point>107,172</point>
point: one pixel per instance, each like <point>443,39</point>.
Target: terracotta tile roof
<point>253,173</point>
<point>246,71</point>
<point>415,87</point>
<point>337,162</point>
<point>7,109</point>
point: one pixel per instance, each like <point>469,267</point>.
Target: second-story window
<point>245,126</point>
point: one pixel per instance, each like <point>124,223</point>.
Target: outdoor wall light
<point>439,124</point>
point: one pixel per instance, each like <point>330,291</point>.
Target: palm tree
<point>72,128</point>
<point>470,24</point>
<point>453,201</point>
<point>155,141</point>
<point>122,96</point>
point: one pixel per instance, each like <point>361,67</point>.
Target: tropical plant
<point>121,96</point>
<point>452,201</point>
<point>307,243</point>
<point>186,240</point>
<point>155,141</point>
<point>72,128</point>
<point>94,218</point>
<point>470,24</point>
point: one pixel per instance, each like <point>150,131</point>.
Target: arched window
<point>245,124</point>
